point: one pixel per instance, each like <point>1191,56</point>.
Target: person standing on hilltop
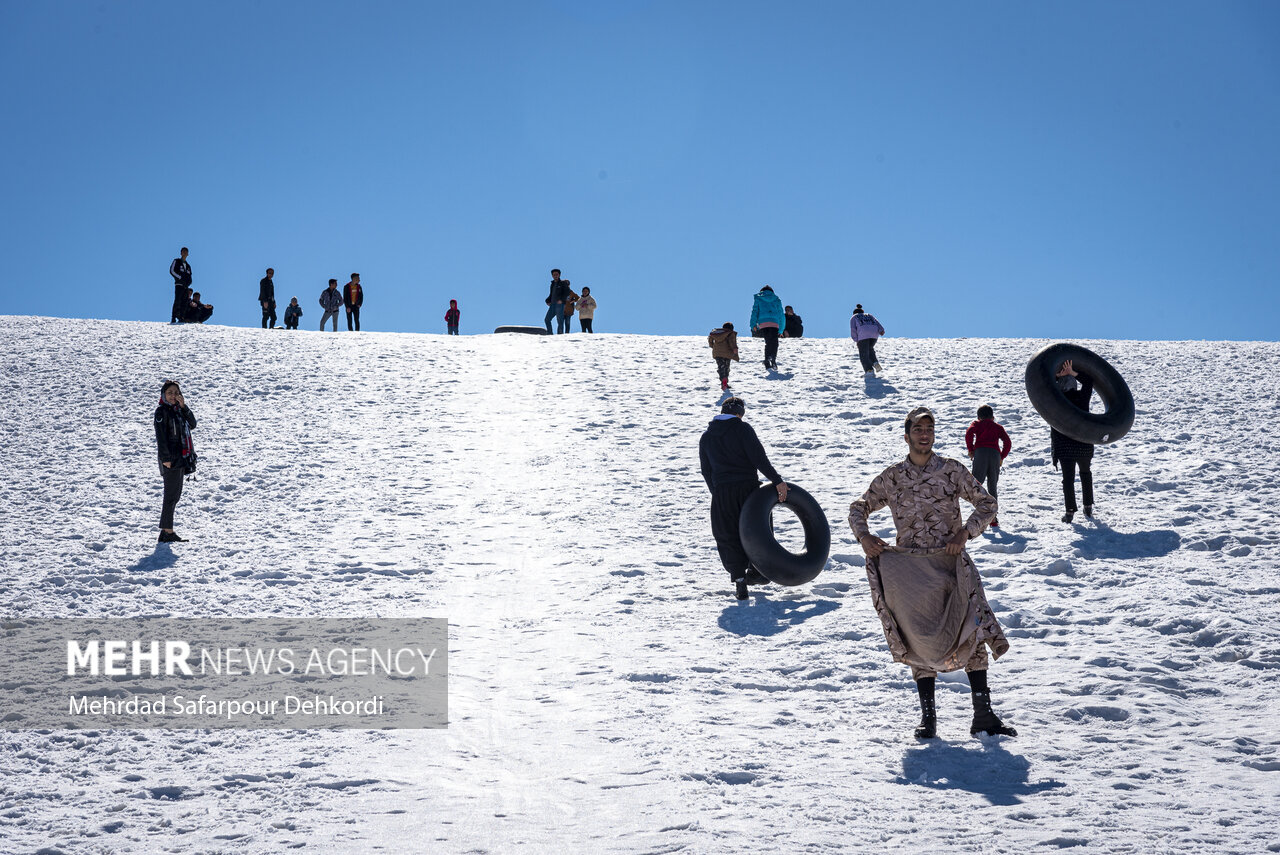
<point>586,310</point>
<point>353,299</point>
<point>452,318</point>
<point>556,299</point>
<point>180,270</point>
<point>331,302</point>
<point>267,299</point>
<point>767,319</point>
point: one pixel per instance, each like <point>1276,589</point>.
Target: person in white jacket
<point>865,329</point>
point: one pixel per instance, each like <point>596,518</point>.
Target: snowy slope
<point>607,692</point>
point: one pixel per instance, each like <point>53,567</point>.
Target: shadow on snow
<point>982,767</point>
<point>764,617</point>
<point>1105,542</point>
<point>877,388</point>
<point>161,558</point>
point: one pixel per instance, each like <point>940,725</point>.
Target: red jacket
<point>985,433</point>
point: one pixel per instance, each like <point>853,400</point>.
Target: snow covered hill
<point>607,693</point>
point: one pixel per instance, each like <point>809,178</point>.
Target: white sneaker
<point>875,366</point>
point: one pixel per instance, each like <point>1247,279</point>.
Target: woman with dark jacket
<point>1078,388</point>
<point>174,422</point>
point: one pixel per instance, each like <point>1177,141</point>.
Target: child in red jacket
<point>452,317</point>
<point>988,445</point>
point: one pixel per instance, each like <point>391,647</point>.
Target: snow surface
<point>607,692</point>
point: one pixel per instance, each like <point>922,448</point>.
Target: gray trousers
<point>327,315</point>
<point>986,468</point>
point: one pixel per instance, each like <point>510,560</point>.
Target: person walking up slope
<point>865,330</point>
<point>724,348</point>
<point>1078,389</point>
<point>926,590</point>
<point>988,446</point>
<point>768,319</point>
<point>452,317</point>
<point>730,453</point>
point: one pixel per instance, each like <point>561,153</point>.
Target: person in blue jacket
<point>767,320</point>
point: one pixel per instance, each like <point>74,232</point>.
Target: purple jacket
<point>864,326</point>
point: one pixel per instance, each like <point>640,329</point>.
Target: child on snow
<point>452,317</point>
<point>724,347</point>
<point>988,445</point>
<point>291,314</point>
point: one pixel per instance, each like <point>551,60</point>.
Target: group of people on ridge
<point>562,301</point>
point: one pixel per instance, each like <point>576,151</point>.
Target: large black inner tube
<point>527,330</point>
<point>766,554</point>
<point>1052,405</point>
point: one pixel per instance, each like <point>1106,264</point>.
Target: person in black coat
<point>180,270</point>
<point>174,422</point>
<point>730,453</point>
<point>267,299</point>
<point>795,326</point>
<point>1078,389</point>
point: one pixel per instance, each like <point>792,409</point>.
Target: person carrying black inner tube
<point>730,454</point>
<point>933,609</point>
<point>174,422</point>
<point>1077,386</point>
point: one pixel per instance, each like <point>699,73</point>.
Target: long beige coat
<point>934,612</point>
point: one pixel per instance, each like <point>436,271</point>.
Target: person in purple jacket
<point>865,329</point>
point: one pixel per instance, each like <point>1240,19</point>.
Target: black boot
<point>984,718</point>
<point>739,580</point>
<point>928,728</point>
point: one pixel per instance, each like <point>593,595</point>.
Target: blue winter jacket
<point>767,309</point>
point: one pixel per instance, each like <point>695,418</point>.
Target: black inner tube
<point>1094,428</point>
<point>768,556</point>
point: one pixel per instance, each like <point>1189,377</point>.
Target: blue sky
<point>1059,170</point>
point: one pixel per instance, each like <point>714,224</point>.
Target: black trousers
<point>269,313</point>
<point>179,303</point>
<point>867,353</point>
<point>586,324</point>
<point>770,343</point>
<point>726,504</point>
<point>354,310</point>
<point>173,477</point>
<point>1069,482</point>
<point>986,468</point>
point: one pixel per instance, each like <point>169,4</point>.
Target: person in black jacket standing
<point>730,453</point>
<point>267,298</point>
<point>1078,389</point>
<point>181,273</point>
<point>174,422</point>
<point>556,299</point>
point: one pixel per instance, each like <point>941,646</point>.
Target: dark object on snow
<point>528,330</point>
<point>1054,407</point>
<point>767,555</point>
